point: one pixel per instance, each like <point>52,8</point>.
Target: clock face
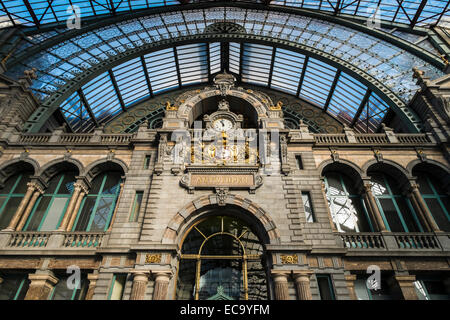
<point>222,125</point>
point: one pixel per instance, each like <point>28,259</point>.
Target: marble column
<point>75,210</point>
<point>406,284</point>
<point>70,207</point>
<point>140,281</point>
<point>302,284</point>
<point>42,284</point>
<point>373,208</point>
<point>92,278</point>
<point>280,281</point>
<point>30,206</point>
<point>422,208</point>
<point>350,281</point>
<point>22,206</point>
<point>161,285</point>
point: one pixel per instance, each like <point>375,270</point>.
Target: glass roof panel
<point>214,57</point>
<point>346,99</point>
<point>317,83</point>
<point>256,64</point>
<point>278,68</point>
<point>193,63</point>
<point>287,69</point>
<point>102,98</point>
<point>131,81</point>
<point>162,70</point>
<point>235,53</point>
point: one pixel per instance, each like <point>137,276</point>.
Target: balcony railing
<point>396,241</point>
<point>51,240</point>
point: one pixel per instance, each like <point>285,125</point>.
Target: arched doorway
<point>222,259</point>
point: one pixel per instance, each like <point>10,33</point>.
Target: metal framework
<point>412,12</point>
<point>107,68</point>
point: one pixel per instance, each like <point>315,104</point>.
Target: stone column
<point>22,206</point>
<point>70,207</point>
<point>140,281</point>
<point>42,284</point>
<point>302,284</point>
<point>373,208</point>
<point>422,208</point>
<point>280,280</point>
<point>350,281</point>
<point>406,284</point>
<point>73,217</point>
<point>30,206</point>
<point>92,277</point>
<point>161,284</point>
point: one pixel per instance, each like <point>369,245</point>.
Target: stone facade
<point>146,250</point>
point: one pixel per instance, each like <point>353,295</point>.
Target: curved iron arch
<point>53,102</point>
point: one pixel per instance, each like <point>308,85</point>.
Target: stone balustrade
<point>71,139</point>
<point>51,240</point>
<point>347,138</point>
<point>371,139</point>
<point>388,241</point>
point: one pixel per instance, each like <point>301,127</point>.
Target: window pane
<point>53,184</point>
<point>361,289</point>
<point>96,184</point>
<point>13,287</point>
<point>54,214</point>
<point>407,215</point>
<point>66,186</point>
<point>112,183</point>
<point>118,286</point>
<point>9,210</point>
<point>438,214</point>
<point>41,207</point>
<point>21,186</point>
<point>335,187</point>
<point>308,207</point>
<point>391,215</point>
<point>63,292</point>
<point>85,215</point>
<point>9,184</point>
<point>136,206</point>
<point>325,287</point>
<point>102,214</point>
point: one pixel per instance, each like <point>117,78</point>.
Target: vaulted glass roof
<point>410,12</point>
<point>98,73</point>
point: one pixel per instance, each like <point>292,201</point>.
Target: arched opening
<point>97,208</point>
<point>342,188</point>
<point>222,258</point>
<point>237,105</point>
<point>388,184</point>
<point>13,190</point>
<point>49,209</point>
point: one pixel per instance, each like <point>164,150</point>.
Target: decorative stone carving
<point>289,259</point>
<point>222,194</point>
<point>153,258</point>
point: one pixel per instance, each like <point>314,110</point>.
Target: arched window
<point>346,205</point>
<point>98,206</point>
<point>222,259</point>
<point>51,206</point>
<point>11,195</point>
<point>435,199</point>
<point>396,210</point>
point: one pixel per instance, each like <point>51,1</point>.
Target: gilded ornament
<point>289,259</point>
<point>153,258</point>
